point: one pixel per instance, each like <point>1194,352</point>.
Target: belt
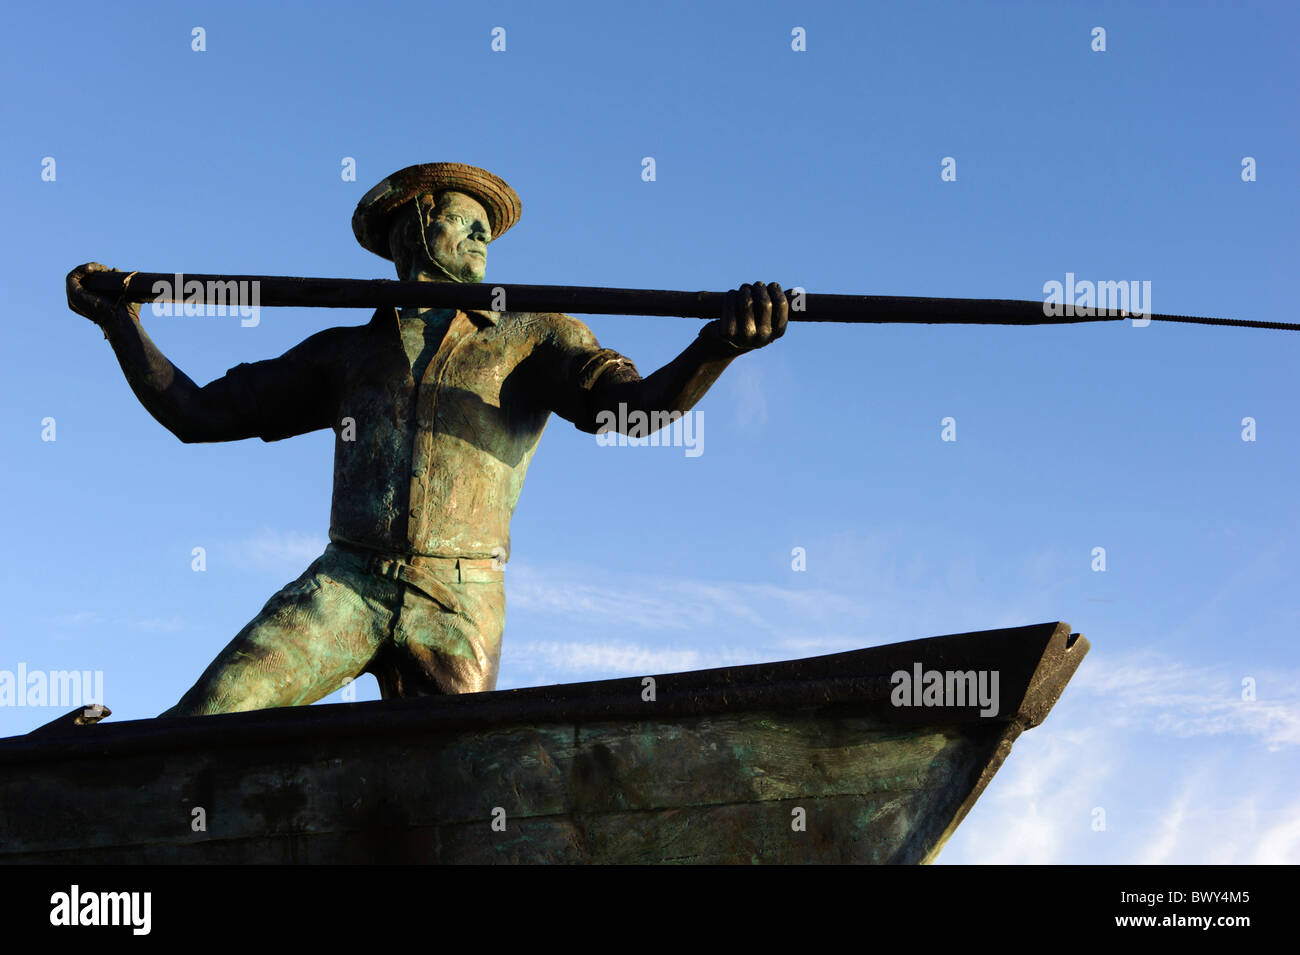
<point>429,575</point>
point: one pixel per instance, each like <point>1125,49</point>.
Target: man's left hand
<point>752,316</point>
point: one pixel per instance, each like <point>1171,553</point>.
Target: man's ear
<point>405,240</point>
<point>399,240</point>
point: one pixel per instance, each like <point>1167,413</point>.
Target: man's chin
<point>466,272</point>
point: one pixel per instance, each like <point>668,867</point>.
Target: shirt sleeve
<point>279,397</point>
<point>568,364</point>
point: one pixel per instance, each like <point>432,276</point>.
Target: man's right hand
<point>105,311</point>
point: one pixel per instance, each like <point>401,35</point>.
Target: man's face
<point>457,234</point>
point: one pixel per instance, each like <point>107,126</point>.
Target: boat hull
<point>807,761</point>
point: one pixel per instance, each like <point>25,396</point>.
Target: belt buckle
<point>385,567</point>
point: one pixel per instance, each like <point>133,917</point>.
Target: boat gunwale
<point>1039,658</point>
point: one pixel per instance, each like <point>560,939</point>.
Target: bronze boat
<point>819,760</point>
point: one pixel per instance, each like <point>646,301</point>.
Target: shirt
<point>435,468</point>
<point>421,335</point>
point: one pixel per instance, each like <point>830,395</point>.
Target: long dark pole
<point>275,290</point>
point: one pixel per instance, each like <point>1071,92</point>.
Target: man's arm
<point>272,399</point>
<point>591,383</point>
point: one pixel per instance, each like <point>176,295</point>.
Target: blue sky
<point>818,168</point>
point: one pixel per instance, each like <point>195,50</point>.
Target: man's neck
<point>430,314</point>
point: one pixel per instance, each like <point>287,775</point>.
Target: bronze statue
<point>426,477</point>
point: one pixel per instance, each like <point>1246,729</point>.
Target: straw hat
<point>374,213</point>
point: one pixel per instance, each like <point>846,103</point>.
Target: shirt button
<point>418,470</point>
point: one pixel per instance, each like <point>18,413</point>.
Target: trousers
<point>422,626</point>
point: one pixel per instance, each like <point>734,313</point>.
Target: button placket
<point>425,421</point>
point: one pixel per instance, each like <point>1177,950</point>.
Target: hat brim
<point>373,217</point>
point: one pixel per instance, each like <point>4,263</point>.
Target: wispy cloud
<point>1191,832</point>
<point>608,625</point>
<point>1039,808</point>
<point>1163,695</point>
<point>1169,827</point>
<point>156,624</point>
<point>1179,767</point>
<point>82,619</point>
<point>1280,844</point>
<point>76,618</point>
<point>281,554</point>
<point>601,602</point>
<point>623,659</point>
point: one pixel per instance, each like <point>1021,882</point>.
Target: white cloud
<point>75,619</point>
<point>597,601</point>
<point>1160,848</point>
<point>282,554</point>
<point>1185,772</point>
<point>1038,810</point>
<point>94,618</point>
<point>1165,695</point>
<point>1280,844</point>
<point>622,659</point>
<point>1193,830</point>
<point>156,624</point>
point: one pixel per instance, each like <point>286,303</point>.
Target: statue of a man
<point>436,414</point>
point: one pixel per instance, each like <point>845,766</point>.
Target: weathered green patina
<point>437,415</point>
